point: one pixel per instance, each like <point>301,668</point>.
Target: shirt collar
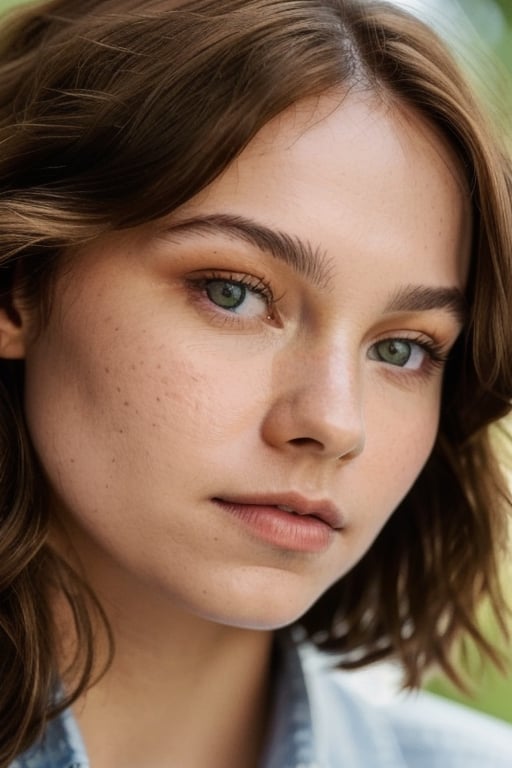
<point>290,742</point>
<point>60,747</point>
<point>318,721</point>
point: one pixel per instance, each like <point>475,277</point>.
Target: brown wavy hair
<point>115,112</point>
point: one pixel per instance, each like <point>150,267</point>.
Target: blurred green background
<point>481,31</point>
<point>5,4</point>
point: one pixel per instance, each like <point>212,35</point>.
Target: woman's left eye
<point>405,353</point>
<point>245,296</point>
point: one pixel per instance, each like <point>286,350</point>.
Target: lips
<point>293,503</point>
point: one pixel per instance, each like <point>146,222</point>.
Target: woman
<point>254,330</point>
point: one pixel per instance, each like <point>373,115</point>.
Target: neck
<point>181,691</point>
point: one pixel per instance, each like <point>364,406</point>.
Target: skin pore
<point>187,368</point>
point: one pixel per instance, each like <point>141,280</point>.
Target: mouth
<point>293,504</point>
<point>287,522</point>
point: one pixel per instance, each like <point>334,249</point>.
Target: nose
<point>317,405</point>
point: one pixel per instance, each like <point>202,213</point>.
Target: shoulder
<point>417,730</point>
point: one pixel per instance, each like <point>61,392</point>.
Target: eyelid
<point>440,341</point>
<point>199,279</point>
<point>440,326</point>
<point>254,282</point>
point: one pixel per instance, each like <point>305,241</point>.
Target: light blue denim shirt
<point>319,722</point>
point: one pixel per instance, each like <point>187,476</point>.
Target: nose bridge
<point>320,405</point>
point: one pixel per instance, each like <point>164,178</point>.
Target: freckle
<point>133,367</point>
<point>137,411</point>
<point>159,367</point>
<point>121,431</point>
<point>153,424</point>
<point>107,370</point>
<point>107,485</point>
<point>158,400</point>
<point>72,461</point>
<point>126,402</point>
<point>114,460</point>
<point>116,328</point>
<point>118,389</point>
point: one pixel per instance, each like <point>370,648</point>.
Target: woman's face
<point>277,342</point>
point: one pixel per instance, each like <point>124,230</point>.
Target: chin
<point>262,622</point>
<point>267,610</point>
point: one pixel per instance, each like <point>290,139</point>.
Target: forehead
<point>343,170</point>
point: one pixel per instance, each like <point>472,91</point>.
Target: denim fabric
<point>62,747</point>
<point>319,722</point>
<point>410,731</point>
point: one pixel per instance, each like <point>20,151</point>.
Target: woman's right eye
<point>245,296</point>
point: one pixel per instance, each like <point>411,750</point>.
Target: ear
<point>12,334</point>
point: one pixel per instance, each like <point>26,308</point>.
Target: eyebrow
<point>313,264</point>
<point>298,254</point>
<point>420,298</point>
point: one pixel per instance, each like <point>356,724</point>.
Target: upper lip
<point>323,509</point>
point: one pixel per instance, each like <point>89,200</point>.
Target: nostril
<point>352,449</point>
<point>305,441</point>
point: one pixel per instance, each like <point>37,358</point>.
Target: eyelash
<point>258,286</point>
<point>436,352</point>
<point>437,355</point>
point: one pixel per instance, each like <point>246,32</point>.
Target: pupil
<point>224,294</point>
<point>395,352</point>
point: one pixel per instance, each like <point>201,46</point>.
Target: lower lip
<point>282,529</point>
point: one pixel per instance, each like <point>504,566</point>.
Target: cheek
<point>135,411</point>
<point>410,446</point>
<point>400,439</point>
<point>111,406</point>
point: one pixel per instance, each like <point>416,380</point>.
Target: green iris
<point>226,294</point>
<point>394,351</point>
